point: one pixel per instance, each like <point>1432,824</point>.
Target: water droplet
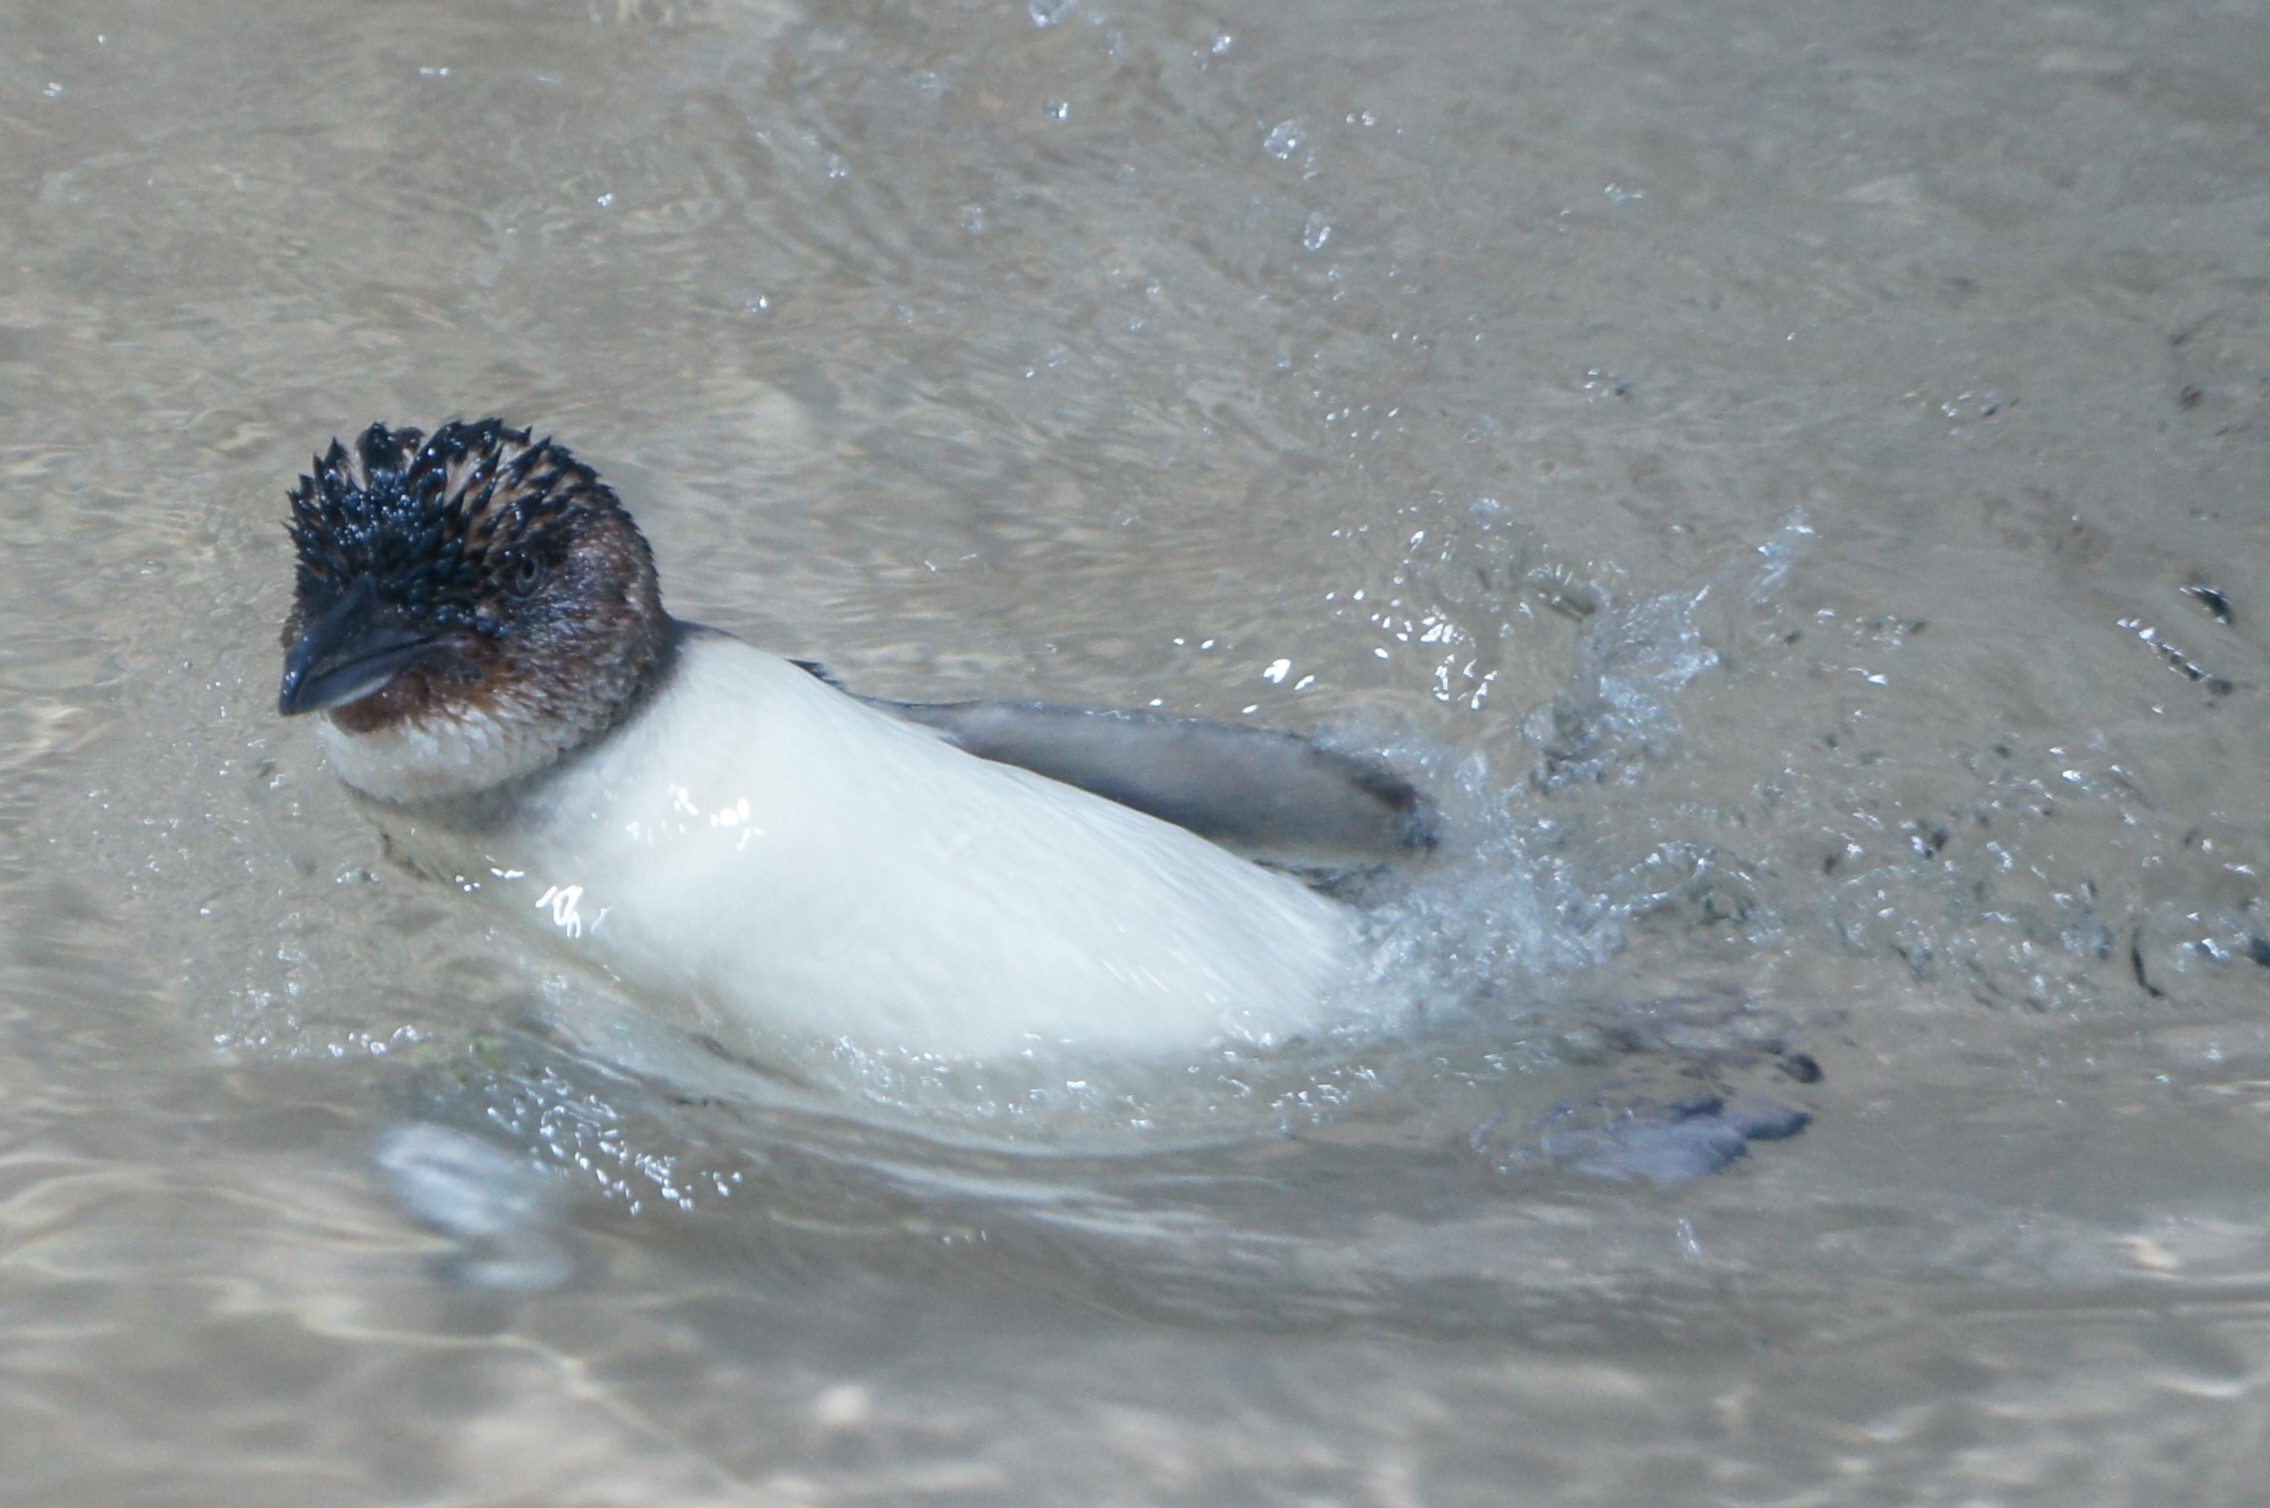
<point>1047,13</point>
<point>1056,109</point>
<point>605,201</point>
<point>53,91</point>
<point>1618,195</point>
<point>761,304</point>
<point>1315,231</point>
<point>973,219</point>
<point>1277,671</point>
<point>1221,44</point>
<point>838,169</point>
<point>1284,139</point>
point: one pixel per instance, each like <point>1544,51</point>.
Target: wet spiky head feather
<point>432,521</point>
<point>506,605</point>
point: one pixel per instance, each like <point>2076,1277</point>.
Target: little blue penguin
<point>751,849</point>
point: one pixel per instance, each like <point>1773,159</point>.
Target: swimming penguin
<point>748,846</point>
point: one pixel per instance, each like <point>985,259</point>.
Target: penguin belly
<point>761,848</point>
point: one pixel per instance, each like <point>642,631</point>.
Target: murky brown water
<point>1793,476</point>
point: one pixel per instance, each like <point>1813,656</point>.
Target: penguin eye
<point>525,574</point>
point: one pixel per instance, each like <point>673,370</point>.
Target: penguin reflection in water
<point>477,620</point>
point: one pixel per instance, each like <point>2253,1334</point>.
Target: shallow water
<point>1789,477</point>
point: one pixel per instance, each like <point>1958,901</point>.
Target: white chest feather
<point>441,756</point>
<point>767,852</point>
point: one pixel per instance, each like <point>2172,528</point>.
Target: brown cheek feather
<point>457,685</point>
<point>404,699</point>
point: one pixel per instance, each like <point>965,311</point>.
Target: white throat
<point>444,755</point>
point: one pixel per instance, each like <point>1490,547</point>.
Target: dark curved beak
<point>348,653</point>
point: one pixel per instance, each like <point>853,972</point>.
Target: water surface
<point>1790,478</point>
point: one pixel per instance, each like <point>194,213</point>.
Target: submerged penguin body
<point>756,852</point>
<point>757,846</point>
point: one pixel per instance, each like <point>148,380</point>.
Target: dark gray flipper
<point>1276,796</point>
<point>1697,1083</point>
<point>1253,789</point>
<point>1636,1141</point>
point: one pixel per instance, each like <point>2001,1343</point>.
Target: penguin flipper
<point>1269,794</point>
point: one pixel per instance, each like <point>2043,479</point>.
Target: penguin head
<point>475,591</point>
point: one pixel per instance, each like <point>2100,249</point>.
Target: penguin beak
<point>346,654</point>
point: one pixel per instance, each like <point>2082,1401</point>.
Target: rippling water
<point>1789,478</point>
